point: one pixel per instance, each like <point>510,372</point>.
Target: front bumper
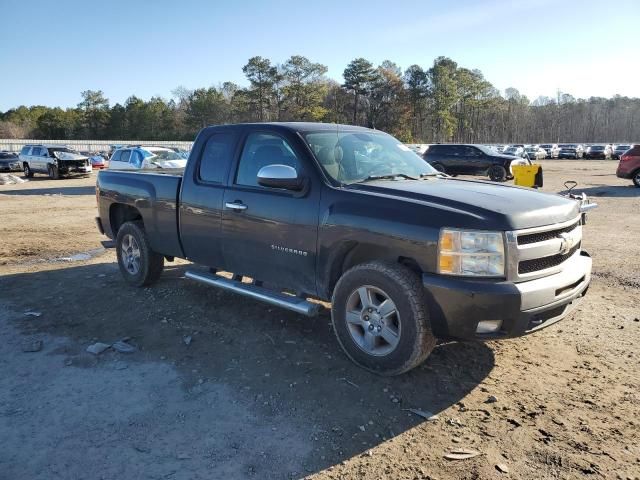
<point>457,305</point>
<point>621,173</point>
<point>69,167</point>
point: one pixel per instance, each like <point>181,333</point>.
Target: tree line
<point>441,103</point>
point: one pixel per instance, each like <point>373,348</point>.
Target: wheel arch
<point>354,253</point>
<point>120,213</point>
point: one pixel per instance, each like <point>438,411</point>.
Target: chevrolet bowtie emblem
<point>566,242</point>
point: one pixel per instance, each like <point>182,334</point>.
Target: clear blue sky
<point>52,50</point>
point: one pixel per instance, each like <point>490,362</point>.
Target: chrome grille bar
<point>561,241</point>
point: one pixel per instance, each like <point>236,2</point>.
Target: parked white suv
<point>54,160</point>
<point>142,158</point>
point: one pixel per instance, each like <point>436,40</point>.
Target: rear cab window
<point>216,157</point>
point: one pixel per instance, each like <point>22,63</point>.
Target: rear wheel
<point>636,178</point>
<point>497,173</point>
<point>380,318</point>
<point>27,171</point>
<point>139,264</point>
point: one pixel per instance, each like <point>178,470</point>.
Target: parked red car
<point>629,166</point>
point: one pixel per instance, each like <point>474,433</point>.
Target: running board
<point>290,302</point>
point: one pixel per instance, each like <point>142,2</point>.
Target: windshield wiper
<point>435,174</point>
<point>386,177</point>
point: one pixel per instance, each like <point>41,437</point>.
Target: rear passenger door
<point>120,160</point>
<point>36,160</point>
<point>270,234</point>
<point>455,161</point>
<point>201,199</point>
<point>476,162</point>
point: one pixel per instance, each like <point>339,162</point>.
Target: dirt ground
<point>224,387</point>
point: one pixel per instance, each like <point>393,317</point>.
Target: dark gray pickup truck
<point>349,215</point>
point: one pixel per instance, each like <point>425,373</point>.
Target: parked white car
<point>141,158</point>
<point>552,149</point>
<point>513,150</point>
<point>536,153</point>
<point>54,160</point>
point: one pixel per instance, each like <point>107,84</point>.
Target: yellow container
<point>527,175</point>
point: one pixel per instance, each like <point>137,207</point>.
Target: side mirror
<point>280,176</point>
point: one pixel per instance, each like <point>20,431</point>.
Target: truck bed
<point>152,193</point>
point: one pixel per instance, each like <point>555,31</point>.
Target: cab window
<point>216,157</point>
<point>136,159</point>
<point>260,150</point>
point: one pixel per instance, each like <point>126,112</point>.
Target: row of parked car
<point>57,160</point>
<point>466,159</point>
<point>452,159</point>
<point>604,151</point>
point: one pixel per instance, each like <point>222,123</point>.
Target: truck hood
<point>512,208</point>
<point>69,156</point>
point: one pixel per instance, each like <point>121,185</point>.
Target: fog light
<point>489,326</point>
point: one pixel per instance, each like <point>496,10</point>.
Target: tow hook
<point>585,203</point>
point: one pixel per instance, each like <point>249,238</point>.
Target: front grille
<point>536,264</point>
<point>544,236</point>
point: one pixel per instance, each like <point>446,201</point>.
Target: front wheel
<point>636,178</point>
<point>139,264</point>
<point>54,173</point>
<point>380,318</point>
<point>498,173</point>
<point>27,171</point>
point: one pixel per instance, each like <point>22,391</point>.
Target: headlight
<point>471,253</point>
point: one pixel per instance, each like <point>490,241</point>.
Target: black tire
<point>27,170</point>
<point>498,173</point>
<point>439,167</point>
<point>636,178</point>
<point>54,174</point>
<point>150,263</point>
<point>414,338</point>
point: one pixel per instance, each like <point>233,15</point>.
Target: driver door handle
<point>235,206</point>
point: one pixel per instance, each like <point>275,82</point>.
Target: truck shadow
<point>279,363</point>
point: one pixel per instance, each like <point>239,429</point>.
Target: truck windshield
<point>350,156</point>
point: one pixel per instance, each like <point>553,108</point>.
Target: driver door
<point>270,234</point>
